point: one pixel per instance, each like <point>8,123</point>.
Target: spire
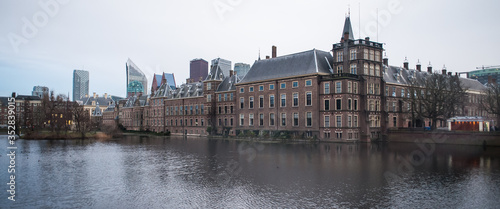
<point>259,53</point>
<point>348,28</point>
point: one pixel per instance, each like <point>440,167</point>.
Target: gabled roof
<point>303,63</point>
<point>215,73</point>
<point>229,83</point>
<point>97,111</point>
<point>98,100</point>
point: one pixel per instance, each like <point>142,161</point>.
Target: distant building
<point>39,91</point>
<point>484,73</point>
<point>198,70</point>
<point>160,79</point>
<point>225,65</point>
<point>80,84</point>
<point>136,80</point>
<point>241,69</point>
<point>93,104</point>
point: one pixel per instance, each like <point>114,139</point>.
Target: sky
<point>42,42</point>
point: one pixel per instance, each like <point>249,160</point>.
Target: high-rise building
<point>241,69</point>
<point>136,80</point>
<point>486,74</point>
<point>80,84</point>
<point>40,91</point>
<point>225,65</point>
<point>198,69</point>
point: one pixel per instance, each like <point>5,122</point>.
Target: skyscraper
<point>80,84</point>
<point>241,69</point>
<point>198,69</point>
<point>40,91</point>
<point>136,80</point>
<point>225,65</point>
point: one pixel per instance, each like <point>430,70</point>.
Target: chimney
<point>419,66</point>
<point>94,95</point>
<point>14,94</point>
<point>449,73</point>
<point>385,60</point>
<point>367,39</point>
<point>105,95</point>
<point>405,63</point>
<point>274,51</point>
<point>444,70</point>
<point>429,68</point>
<point>267,57</point>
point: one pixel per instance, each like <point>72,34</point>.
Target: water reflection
<point>171,172</point>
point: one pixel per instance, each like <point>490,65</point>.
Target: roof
<point>303,63</point>
<point>215,73</point>
<point>97,111</point>
<point>401,76</point>
<point>229,83</point>
<point>348,28</point>
<point>137,101</point>
<point>170,79</point>
<point>98,100</point>
<point>27,97</point>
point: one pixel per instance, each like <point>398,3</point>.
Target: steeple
<point>348,29</point>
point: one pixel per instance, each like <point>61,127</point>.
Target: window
<point>338,104</point>
<point>209,86</point>
<point>202,109</point>
<point>242,90</point>
<point>232,109</point>
<point>377,89</point>
<point>372,68</point>
<point>353,54</point>
<point>209,97</point>
<point>393,91</point>
<point>372,55</point>
<point>261,101</point>
<point>309,119</point>
<point>394,121</point>
<point>295,84</point>
<point>250,89</point>
<point>231,96</point>
<point>327,88</point>
<point>295,99</point>
<point>225,110</point>
<point>354,69</point>
<point>387,91</point>
<point>250,119</point>
<point>271,86</point>
<point>283,100</point>
<point>251,102</point>
<point>308,82</point>
<point>295,119</point>
<point>377,70</point>
<point>327,104</point>
<point>349,104</point>
<point>338,87</point>
<point>231,121</point>
<point>355,123</point>
<point>242,102</point>
<point>271,119</point>
<point>394,106</point>
<point>261,88</point>
<point>225,97</point>
<point>402,93</point>
<point>220,109</point>
<point>283,119</point>
<point>308,98</point>
<point>355,87</point>
<point>271,101</point>
<point>349,121</point>
<point>370,88</point>
<point>327,121</point>
<point>365,68</point>
<point>377,56</point>
<point>261,119</point>
<point>283,86</point>
<point>220,122</point>
<point>372,105</point>
<point>340,56</point>
<point>242,119</point>
<point>349,87</point>
<point>340,69</point>
<point>339,121</point>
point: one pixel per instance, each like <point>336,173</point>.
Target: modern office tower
<point>241,69</point>
<point>80,84</point>
<point>225,65</point>
<point>40,91</point>
<point>486,74</point>
<point>198,69</point>
<point>136,80</point>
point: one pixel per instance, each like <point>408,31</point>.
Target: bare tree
<point>490,102</point>
<point>81,118</point>
<point>436,97</point>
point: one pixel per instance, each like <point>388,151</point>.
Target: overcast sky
<point>41,46</point>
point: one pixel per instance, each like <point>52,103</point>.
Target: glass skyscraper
<point>136,80</point>
<point>80,84</point>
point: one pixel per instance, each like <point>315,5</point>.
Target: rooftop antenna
<point>259,53</point>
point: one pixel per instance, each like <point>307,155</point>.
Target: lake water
<point>177,172</point>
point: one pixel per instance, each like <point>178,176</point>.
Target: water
<point>157,172</point>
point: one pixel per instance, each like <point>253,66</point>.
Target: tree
<point>490,102</point>
<point>436,97</point>
<point>81,118</point>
